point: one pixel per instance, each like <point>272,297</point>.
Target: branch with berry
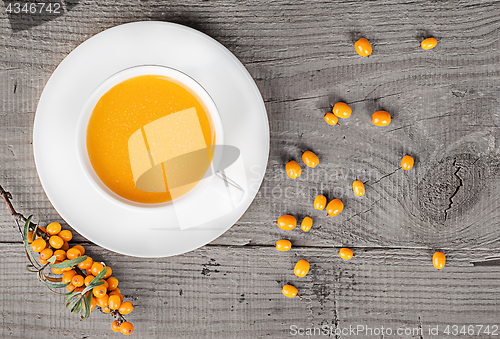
<point>89,283</point>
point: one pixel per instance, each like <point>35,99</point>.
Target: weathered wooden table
<point>446,113</point>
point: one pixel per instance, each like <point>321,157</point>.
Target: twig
<point>18,217</point>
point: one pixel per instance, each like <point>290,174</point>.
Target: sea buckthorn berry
<point>439,260</point>
<point>301,268</point>
<point>345,253</point>
<point>282,245</point>
<point>42,261</point>
<point>118,294</point>
<point>127,328</point>
<point>306,224</point>
<point>381,118</point>
<point>67,276</point>
<point>65,246</point>
<point>114,301</point>
<point>334,207</point>
<point>293,169</point>
<point>42,229</point>
<point>89,271</point>
<point>358,188</point>
<point>320,202</point>
<point>77,280</point>
<point>57,270</point>
<point>70,287</point>
<point>30,237</point>
<point>105,283</point>
<point>66,235</point>
<point>407,163</point>
<point>310,159</point>
<point>331,119</point>
<point>112,283</point>
<point>99,291</point>
<point>287,222</point>
<point>86,264</point>
<point>60,255</point>
<point>80,248</point>
<point>38,245</point>
<point>97,268</point>
<point>363,47</point>
<point>342,110</point>
<point>106,309</point>
<point>115,326</point>
<point>115,291</point>
<point>126,307</point>
<point>88,279</point>
<point>56,242</point>
<point>429,43</point>
<point>108,272</point>
<point>73,253</point>
<point>46,254</point>
<point>103,301</point>
<point>289,291</point>
<point>53,228</point>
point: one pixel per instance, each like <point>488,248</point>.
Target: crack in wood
<point>421,334</point>
<point>461,183</point>
<point>385,176</point>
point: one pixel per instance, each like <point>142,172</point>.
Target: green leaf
<point>69,263</point>
<point>52,259</point>
<point>72,295</point>
<point>99,276</point>
<point>27,245</point>
<point>59,293</point>
<point>88,304</point>
<point>33,237</point>
<point>71,304</point>
<point>78,307</point>
<point>51,285</point>
<point>31,268</point>
<point>91,286</point>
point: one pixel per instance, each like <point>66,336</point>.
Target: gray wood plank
<point>235,292</point>
<point>444,106</point>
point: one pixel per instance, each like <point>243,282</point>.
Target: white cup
<point>119,77</point>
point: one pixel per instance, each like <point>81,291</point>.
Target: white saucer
<point>148,232</point>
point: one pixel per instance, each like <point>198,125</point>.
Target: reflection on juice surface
<point>149,139</point>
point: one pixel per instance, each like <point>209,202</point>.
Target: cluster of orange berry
<point>52,244</point>
<point>288,222</point>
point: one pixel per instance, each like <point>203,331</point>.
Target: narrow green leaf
<point>78,306</point>
<point>33,237</point>
<point>27,245</point>
<point>99,276</point>
<point>51,279</point>
<point>51,285</point>
<point>91,286</point>
<point>31,268</point>
<point>69,263</point>
<point>88,301</point>
<point>52,259</point>
<point>72,295</point>
<point>59,293</point>
<point>71,304</point>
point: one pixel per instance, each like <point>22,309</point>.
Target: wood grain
<point>234,292</point>
<point>443,104</point>
<point>446,114</point>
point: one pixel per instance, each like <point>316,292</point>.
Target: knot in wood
<point>450,188</point>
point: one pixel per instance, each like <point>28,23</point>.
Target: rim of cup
<point>104,87</point>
